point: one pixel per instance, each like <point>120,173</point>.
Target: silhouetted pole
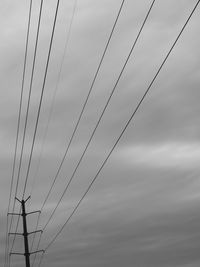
<point>25,234</point>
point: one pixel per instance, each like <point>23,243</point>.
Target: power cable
<point>84,105</point>
<point>17,225</point>
<point>41,97</point>
<point>54,94</point>
<point>29,98</point>
<point>32,73</point>
<point>51,111</point>
<point>17,136</point>
<point>42,92</point>
<point>83,108</point>
<point>39,240</point>
<point>41,259</point>
<point>126,125</point>
<point>99,120</point>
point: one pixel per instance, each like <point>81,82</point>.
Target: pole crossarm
<point>37,251</point>
<point>16,253</point>
<point>22,254</point>
<point>15,234</point>
<point>10,213</point>
<point>37,231</point>
<point>37,211</point>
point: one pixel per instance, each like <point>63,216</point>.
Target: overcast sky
<point>144,208</point>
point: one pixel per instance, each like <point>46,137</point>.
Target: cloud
<point>167,237</point>
<point>143,208</point>
<point>164,155</point>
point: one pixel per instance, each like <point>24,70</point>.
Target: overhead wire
<point>39,240</point>
<point>41,259</point>
<point>13,242</point>
<point>84,105</point>
<point>35,49</point>
<point>82,111</point>
<point>33,68</point>
<point>102,114</point>
<point>54,94</point>
<point>41,97</point>
<point>127,124</point>
<point>17,138</point>
<point>51,110</point>
<point>29,98</point>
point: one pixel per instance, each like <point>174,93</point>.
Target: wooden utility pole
<point>25,233</point>
<point>26,248</point>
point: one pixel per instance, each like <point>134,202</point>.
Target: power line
<point>33,70</point>
<point>36,247</point>
<point>36,228</point>
<point>17,135</point>
<point>41,259</point>
<point>51,109</point>
<point>126,125</point>
<point>29,98</point>
<point>83,108</point>
<point>84,105</point>
<point>101,116</point>
<point>55,92</point>
<point>17,225</point>
<point>42,92</point>
<point>41,97</point>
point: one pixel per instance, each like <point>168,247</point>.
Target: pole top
<point>23,199</point>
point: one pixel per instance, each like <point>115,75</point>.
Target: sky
<point>143,209</point>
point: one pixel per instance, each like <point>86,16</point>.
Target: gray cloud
<point>143,209</point>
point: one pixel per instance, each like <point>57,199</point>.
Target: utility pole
<point>25,232</point>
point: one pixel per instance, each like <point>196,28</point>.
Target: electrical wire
<point>126,125</point>
<point>33,67</point>
<point>83,108</point>
<point>51,111</point>
<point>36,228</point>
<point>42,92</point>
<point>17,136</point>
<point>41,98</point>
<point>39,240</point>
<point>17,225</point>
<point>29,98</point>
<point>101,116</point>
<point>84,105</point>
<point>54,94</point>
<point>41,259</point>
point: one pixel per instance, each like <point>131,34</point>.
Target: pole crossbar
<point>37,211</point>
<point>16,253</point>
<point>15,234</point>
<point>10,213</point>
<point>37,231</point>
<point>30,233</point>
<point>37,251</point>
